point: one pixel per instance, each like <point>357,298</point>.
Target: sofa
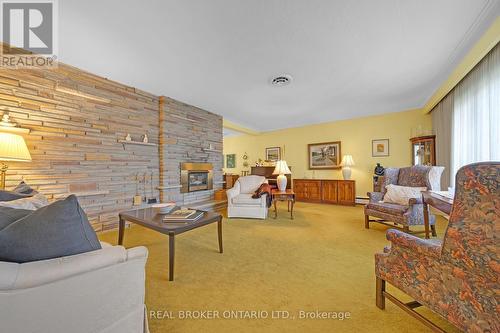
<point>240,202</point>
<point>412,213</point>
<point>457,277</point>
<point>97,291</point>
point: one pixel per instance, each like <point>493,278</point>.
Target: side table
<point>288,196</point>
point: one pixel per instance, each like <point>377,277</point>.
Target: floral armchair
<point>404,215</point>
<point>458,278</point>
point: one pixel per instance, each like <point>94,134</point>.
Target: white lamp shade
<point>347,161</point>
<point>13,148</point>
<point>281,168</point>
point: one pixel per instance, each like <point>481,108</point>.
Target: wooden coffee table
<point>148,218</point>
<point>288,196</point>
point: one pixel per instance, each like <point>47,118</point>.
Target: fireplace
<point>197,181</point>
<point>196,177</point>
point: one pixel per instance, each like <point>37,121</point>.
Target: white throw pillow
<point>402,194</point>
<point>30,203</point>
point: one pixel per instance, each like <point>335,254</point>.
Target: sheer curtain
<point>442,117</point>
<point>475,125</point>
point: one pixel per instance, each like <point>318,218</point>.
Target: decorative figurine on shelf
<point>145,138</point>
<point>379,170</point>
<point>128,137</point>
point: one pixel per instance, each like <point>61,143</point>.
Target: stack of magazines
<point>182,216</point>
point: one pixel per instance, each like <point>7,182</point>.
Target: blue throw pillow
<point>9,215</point>
<point>57,230</point>
<point>22,190</point>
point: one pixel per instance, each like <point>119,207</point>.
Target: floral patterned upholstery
<point>415,176</point>
<point>457,278</point>
<point>389,208</point>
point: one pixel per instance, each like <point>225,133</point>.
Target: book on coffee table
<point>182,215</point>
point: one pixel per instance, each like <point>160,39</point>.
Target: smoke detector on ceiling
<point>281,80</point>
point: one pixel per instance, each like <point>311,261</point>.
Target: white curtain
<point>475,128</point>
<point>442,116</point>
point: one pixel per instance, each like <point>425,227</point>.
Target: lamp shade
<point>281,168</point>
<point>347,161</point>
<point>13,148</point>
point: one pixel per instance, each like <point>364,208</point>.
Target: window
<point>475,132</point>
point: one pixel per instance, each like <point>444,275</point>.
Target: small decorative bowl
<point>163,208</point>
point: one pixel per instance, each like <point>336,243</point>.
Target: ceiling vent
<point>281,80</point>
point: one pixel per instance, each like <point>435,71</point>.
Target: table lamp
<point>281,169</point>
<point>12,148</point>
<point>347,163</point>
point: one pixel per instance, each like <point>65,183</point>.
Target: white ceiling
<point>348,58</point>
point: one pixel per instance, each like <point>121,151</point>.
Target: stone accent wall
<point>185,132</point>
<point>76,121</point>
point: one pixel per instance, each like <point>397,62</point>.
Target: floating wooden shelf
<point>140,143</point>
<point>168,187</point>
<point>89,193</point>
<point>211,150</point>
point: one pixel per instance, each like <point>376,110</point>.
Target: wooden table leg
<point>426,219</point>
<point>219,232</point>
<point>171,256</point>
<point>275,209</point>
<point>121,231</point>
<point>292,202</point>
<point>288,202</point>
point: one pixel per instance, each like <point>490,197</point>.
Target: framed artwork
<point>231,161</point>
<point>273,154</point>
<point>380,147</point>
<point>324,155</point>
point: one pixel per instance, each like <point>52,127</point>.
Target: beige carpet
<point>322,260</point>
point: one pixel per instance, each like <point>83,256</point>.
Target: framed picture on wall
<point>231,161</point>
<point>273,154</point>
<point>324,155</point>
<point>380,147</point>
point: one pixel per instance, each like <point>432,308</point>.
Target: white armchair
<point>98,291</point>
<point>240,202</point>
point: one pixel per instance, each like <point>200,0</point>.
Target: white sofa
<point>240,202</point>
<point>98,291</point>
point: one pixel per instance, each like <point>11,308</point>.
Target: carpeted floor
<point>322,260</point>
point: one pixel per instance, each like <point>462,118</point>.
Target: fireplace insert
<point>197,181</point>
<point>196,177</point>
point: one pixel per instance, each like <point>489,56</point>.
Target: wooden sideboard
<point>339,192</point>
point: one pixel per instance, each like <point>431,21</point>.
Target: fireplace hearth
<point>196,177</point>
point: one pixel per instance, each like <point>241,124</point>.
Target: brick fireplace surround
<point>76,122</point>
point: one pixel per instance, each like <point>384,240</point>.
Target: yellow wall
<point>356,137</point>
